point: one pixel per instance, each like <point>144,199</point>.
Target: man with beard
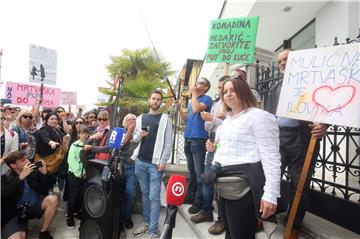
<point>154,133</point>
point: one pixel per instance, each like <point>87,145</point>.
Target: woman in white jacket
<point>9,142</point>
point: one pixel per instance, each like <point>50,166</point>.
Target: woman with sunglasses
<point>26,130</point>
<point>64,126</point>
<point>102,134</point>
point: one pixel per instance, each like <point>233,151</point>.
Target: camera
<point>38,164</point>
<point>145,128</point>
<point>22,211</point>
<point>211,175</point>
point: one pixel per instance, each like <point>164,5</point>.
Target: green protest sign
<point>232,40</point>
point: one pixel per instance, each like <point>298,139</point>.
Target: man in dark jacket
<point>24,189</point>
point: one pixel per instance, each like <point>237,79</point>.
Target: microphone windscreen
<point>176,190</point>
<point>115,138</point>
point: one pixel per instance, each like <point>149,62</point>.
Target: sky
<point>86,33</point>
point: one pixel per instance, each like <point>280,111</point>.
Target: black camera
<point>22,211</point>
<point>211,175</point>
<point>38,164</point>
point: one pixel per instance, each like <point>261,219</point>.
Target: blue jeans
<point>195,150</point>
<point>208,189</point>
<point>130,191</point>
<point>150,184</point>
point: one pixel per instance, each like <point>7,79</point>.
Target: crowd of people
<point>236,154</point>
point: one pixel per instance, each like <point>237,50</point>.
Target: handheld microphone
<point>176,190</point>
<point>175,196</point>
<point>115,140</point>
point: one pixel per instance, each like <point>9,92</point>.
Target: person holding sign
<point>246,164</point>
<point>294,140</point>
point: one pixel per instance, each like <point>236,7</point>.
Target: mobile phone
<point>145,129</point>
<point>38,164</point>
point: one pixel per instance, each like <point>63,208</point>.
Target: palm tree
<point>141,72</point>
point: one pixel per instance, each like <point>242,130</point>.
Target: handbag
<point>54,160</point>
<point>232,187</point>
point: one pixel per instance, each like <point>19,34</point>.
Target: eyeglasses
<point>60,111</point>
<point>27,117</point>
<point>102,119</point>
<point>201,83</point>
<point>79,122</point>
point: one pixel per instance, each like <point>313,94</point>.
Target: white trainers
<point>141,230</point>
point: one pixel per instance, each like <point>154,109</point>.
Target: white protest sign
<point>68,98</point>
<point>101,97</point>
<point>322,85</point>
<point>42,64</point>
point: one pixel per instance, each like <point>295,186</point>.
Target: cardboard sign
<point>323,85</point>
<point>42,65</point>
<point>26,94</point>
<point>68,98</point>
<point>232,40</point>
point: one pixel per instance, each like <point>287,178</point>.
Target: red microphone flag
<point>176,190</point>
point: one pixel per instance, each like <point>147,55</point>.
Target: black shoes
<point>70,223</point>
<point>194,209</point>
<point>45,235</point>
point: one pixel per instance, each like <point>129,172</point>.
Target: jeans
<point>195,150</point>
<point>208,189</point>
<point>150,184</point>
<point>130,191</point>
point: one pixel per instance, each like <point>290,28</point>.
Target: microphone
<point>115,140</point>
<point>175,196</point>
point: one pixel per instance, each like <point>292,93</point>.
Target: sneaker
<point>201,217</point>
<point>70,223</point>
<point>141,230</point>
<point>154,235</point>
<point>217,228</point>
<point>45,235</point>
<point>194,209</point>
<point>128,223</point>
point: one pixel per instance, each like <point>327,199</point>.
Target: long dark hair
<point>243,92</point>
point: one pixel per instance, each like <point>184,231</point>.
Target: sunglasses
<point>27,117</point>
<point>79,122</point>
<point>102,119</point>
<point>60,111</point>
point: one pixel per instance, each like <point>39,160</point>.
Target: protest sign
<point>322,85</point>
<point>232,40</point>
<point>26,94</point>
<point>68,98</point>
<point>42,65</point>
<point>101,97</point>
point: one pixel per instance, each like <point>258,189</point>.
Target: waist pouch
<point>232,188</point>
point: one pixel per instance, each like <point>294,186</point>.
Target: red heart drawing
<point>331,99</point>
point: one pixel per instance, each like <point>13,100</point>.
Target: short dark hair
<point>207,82</point>
<point>157,92</point>
<point>223,78</point>
<point>13,157</point>
<point>51,114</point>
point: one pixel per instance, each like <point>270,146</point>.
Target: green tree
<point>141,73</point>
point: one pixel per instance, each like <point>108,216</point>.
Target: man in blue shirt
<point>195,140</point>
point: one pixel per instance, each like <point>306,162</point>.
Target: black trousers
<point>239,217</point>
<point>294,143</point>
<point>75,194</point>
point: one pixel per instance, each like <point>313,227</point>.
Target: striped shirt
<point>250,137</point>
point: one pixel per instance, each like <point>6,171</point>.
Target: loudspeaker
<point>101,211</point>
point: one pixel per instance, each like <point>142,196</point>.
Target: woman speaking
<point>247,162</point>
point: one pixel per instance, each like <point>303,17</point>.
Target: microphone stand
<point>169,223</point>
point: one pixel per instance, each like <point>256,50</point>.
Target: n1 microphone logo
<point>178,189</point>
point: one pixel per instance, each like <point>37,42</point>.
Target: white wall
<point>337,19</point>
